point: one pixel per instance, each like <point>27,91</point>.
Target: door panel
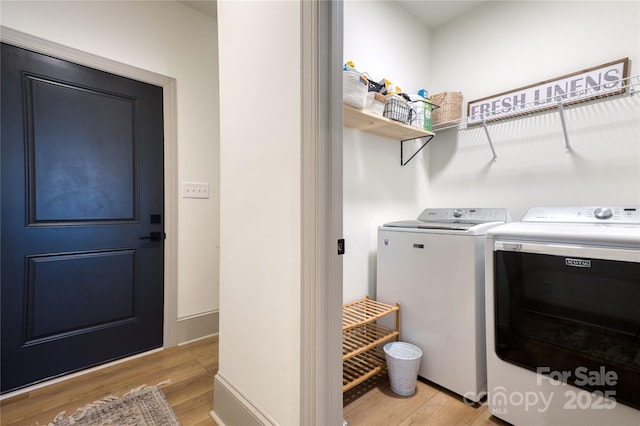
<point>51,314</point>
<point>82,186</point>
<point>99,150</point>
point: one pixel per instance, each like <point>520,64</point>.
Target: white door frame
<point>168,84</point>
<point>321,165</point>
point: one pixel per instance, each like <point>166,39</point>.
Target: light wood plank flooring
<point>189,368</point>
<point>373,403</point>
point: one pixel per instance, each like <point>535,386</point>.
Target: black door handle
<point>155,236</point>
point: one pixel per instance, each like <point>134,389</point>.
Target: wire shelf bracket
<point>404,163</point>
<point>486,131</point>
<point>567,146</point>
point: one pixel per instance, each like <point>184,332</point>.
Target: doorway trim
<point>168,84</point>
<point>321,213</point>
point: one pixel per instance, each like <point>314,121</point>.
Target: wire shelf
<point>626,86</point>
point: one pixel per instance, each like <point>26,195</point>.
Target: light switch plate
<point>195,190</point>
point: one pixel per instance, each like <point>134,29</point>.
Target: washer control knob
<point>603,213</point>
<point>457,213</point>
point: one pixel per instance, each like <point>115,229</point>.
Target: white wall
<point>260,238</point>
<point>171,39</point>
<point>506,45</point>
<point>384,41</point>
<point>496,47</point>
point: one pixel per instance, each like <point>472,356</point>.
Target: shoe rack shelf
<point>362,356</point>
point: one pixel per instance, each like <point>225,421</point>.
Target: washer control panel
<point>465,215</point>
<point>595,214</point>
<point>603,213</point>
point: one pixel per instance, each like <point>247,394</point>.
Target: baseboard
<point>197,326</point>
<point>231,407</point>
<point>216,419</point>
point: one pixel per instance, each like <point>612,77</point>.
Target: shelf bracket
<point>567,146</point>
<point>486,131</point>
<point>404,163</point>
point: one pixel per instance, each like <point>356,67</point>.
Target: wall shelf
<point>628,86</point>
<point>362,357</point>
<point>378,125</point>
<point>382,126</point>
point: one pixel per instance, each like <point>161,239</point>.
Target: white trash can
<point>403,362</point>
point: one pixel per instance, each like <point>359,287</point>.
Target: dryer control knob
<point>603,213</point>
<point>457,213</point>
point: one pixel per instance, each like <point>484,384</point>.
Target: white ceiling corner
<point>208,7</point>
<point>434,13</point>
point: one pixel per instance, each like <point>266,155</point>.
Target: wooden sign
<point>600,81</point>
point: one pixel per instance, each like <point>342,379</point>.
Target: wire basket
<point>398,109</point>
<point>450,104</point>
<point>423,112</point>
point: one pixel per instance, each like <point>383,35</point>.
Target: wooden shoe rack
<point>362,356</point>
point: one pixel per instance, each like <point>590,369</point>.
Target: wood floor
<point>373,403</point>
<point>189,368</point>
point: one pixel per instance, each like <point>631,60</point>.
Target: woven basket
<point>354,89</point>
<point>450,107</point>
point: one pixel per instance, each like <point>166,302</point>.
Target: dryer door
<point>570,312</point>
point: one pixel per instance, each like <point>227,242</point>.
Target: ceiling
<point>432,13</point>
<point>208,7</point>
<point>436,13</point>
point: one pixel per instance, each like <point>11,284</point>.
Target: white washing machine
<point>434,267</point>
<point>563,317</point>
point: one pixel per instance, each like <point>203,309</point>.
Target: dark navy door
<point>82,217</point>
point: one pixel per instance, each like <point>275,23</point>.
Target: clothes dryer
<point>563,324</point>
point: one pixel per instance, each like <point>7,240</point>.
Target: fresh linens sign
<point>603,80</point>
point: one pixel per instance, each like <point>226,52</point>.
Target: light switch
<point>195,190</point>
